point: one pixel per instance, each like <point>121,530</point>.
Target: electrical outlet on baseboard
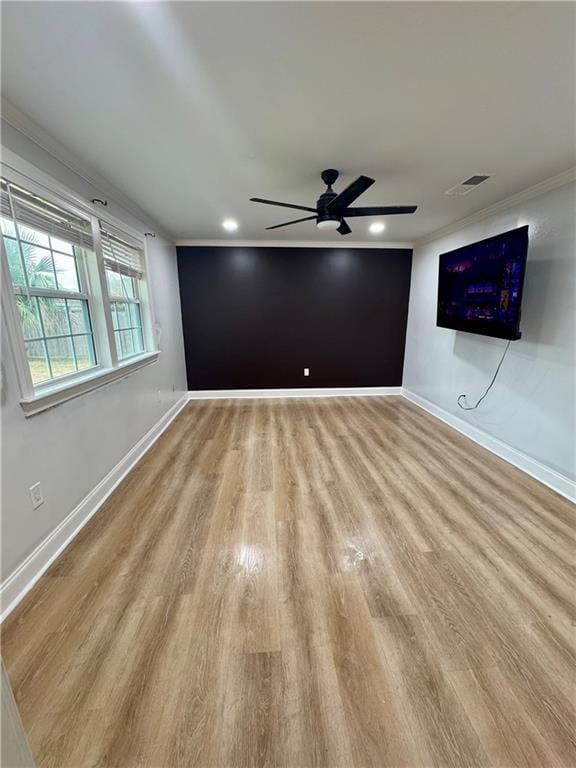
<point>306,371</point>
<point>36,495</point>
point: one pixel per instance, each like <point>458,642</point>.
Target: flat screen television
<point>480,285</point>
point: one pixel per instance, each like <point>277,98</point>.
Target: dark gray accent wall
<point>255,317</point>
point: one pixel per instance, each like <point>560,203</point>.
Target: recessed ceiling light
<point>230,225</point>
<point>377,227</point>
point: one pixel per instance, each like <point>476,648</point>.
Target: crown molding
<point>292,244</point>
<point>35,133</point>
<point>560,180</point>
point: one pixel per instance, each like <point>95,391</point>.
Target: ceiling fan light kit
<point>327,224</point>
<point>332,208</point>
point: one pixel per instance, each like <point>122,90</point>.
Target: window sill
<point>55,395</point>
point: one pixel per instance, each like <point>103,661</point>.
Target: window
<point>77,303</point>
<point>45,248</point>
<point>124,266</point>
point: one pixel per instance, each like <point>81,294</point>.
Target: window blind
<point>121,252</point>
<point>33,211</point>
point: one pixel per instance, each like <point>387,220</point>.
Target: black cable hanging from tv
<point>463,397</point>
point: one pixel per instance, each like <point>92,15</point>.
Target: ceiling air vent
<point>469,184</point>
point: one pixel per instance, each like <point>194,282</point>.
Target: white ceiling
<point>191,108</point>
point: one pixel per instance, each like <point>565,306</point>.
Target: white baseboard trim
<point>252,394</point>
<point>20,581</point>
<point>554,480</point>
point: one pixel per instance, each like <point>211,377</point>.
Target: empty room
<point>288,388</point>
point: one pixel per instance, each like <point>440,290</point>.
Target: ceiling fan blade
<point>283,205</point>
<point>351,192</point>
<point>296,221</point>
<point>389,210</point>
<point>344,229</point>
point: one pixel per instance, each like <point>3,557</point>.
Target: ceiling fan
<point>332,208</point>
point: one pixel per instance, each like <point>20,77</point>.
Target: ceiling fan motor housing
<point>325,219</point>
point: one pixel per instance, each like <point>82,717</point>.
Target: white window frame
<point>84,294</point>
<point>143,300</point>
<point>93,282</point>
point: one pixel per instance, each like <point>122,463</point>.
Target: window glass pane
<point>61,356</point>
<point>33,236</point>
<point>29,318</point>
<point>54,317</point>
<point>39,266</point>
<point>62,246</point>
<point>119,350</point>
<point>135,320</point>
<point>84,348</point>
<point>137,340</point>
<point>66,275</point>
<point>125,346</point>
<point>79,315</point>
<point>128,287</point>
<point>123,314</point>
<point>36,354</point>
<point>14,261</point>
<point>126,343</point>
<point>114,283</point>
<point>8,227</point>
<point>114,315</point>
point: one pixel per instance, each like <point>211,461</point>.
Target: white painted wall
<point>531,406</point>
<point>71,447</point>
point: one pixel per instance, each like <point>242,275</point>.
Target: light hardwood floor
<point>341,582</point>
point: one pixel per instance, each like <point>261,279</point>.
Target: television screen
<point>480,286</point>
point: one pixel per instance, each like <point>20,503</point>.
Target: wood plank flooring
<point>338,583</point>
